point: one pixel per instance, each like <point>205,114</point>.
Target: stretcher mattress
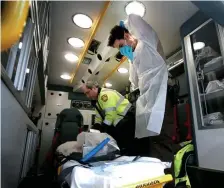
<point>117,173</point>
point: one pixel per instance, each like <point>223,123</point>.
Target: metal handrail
<point>13,20</point>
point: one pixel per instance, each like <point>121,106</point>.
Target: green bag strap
<point>179,156</point>
<point>183,144</point>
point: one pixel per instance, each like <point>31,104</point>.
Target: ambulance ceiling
<point>165,17</point>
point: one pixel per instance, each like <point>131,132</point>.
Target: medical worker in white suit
<point>137,40</point>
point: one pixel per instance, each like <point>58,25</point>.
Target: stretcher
<point>124,172</point>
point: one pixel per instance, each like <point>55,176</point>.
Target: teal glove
<point>122,24</point>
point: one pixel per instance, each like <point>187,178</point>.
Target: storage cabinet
<point>203,46</point>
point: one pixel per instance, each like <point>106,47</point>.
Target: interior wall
<point>14,124</point>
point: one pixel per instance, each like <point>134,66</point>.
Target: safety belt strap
<point>99,110</point>
<point>62,177</point>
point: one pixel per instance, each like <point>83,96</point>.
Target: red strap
<point>55,138</point>
<point>188,122</point>
<point>175,136</point>
<point>54,141</point>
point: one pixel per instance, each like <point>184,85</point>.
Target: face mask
<point>127,51</point>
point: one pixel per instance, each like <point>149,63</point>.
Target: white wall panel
<point>87,116</point>
<point>57,97</point>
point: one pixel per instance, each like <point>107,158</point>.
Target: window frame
<point>24,55</point>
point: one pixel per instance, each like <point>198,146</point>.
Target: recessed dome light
<point>108,84</point>
<point>65,77</point>
<point>71,57</point>
<point>198,45</point>
<point>76,42</point>
<point>83,21</point>
<point>135,7</point>
<point>20,45</point>
<point>122,70</point>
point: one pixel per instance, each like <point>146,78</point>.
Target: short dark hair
<point>90,84</point>
<point>117,32</point>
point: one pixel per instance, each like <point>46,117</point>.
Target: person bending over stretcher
<point>137,40</point>
<point>113,115</point>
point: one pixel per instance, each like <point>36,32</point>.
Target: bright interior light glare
<point>135,7</point>
<point>198,45</point>
<point>76,42</point>
<point>20,45</point>
<point>108,84</point>
<point>27,71</point>
<point>71,57</point>
<point>83,21</point>
<point>122,70</point>
<point>65,76</point>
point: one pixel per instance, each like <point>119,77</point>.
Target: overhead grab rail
<point>115,68</point>
<point>94,30</point>
<point>13,20</point>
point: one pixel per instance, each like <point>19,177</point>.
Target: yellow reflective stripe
<point>107,122</point>
<point>126,109</point>
<point>110,109</point>
<point>98,119</point>
<point>120,101</point>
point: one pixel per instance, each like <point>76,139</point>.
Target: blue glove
<point>122,24</point>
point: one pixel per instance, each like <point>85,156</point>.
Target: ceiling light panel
<point>107,84</point>
<point>122,70</point>
<point>71,57</point>
<point>198,45</point>
<point>20,45</point>
<point>76,42</point>
<point>135,7</point>
<point>65,77</point>
<point>83,21</point>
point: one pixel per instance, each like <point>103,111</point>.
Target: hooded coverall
<point>148,72</point>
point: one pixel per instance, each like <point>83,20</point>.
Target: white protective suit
<point>148,72</point>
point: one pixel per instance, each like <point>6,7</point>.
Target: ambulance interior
<point>63,44</point>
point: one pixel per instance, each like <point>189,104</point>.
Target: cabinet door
<point>205,50</point>
<point>205,70</point>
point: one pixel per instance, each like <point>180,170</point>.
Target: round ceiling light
<point>20,45</point>
<point>76,42</point>
<point>135,7</point>
<point>83,21</point>
<point>122,70</point>
<point>108,84</point>
<point>71,57</point>
<point>198,45</point>
<point>65,77</point>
